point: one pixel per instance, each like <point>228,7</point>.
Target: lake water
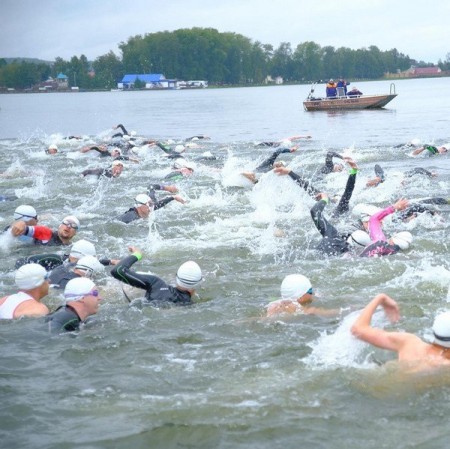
<point>217,374</point>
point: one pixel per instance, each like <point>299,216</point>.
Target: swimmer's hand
<point>282,170</point>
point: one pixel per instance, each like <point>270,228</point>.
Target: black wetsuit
<point>333,242</point>
<point>267,165</point>
<point>329,165</point>
<point>99,172</point>
<point>155,288</point>
<point>63,319</point>
<point>50,261</point>
<point>123,133</point>
<point>418,171</point>
<point>132,213</point>
<point>60,276</point>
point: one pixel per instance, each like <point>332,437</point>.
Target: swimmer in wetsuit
<point>157,291</point>
<point>82,301</point>
<point>114,172</point>
<point>268,164</point>
<point>432,150</point>
<point>42,235</point>
<point>144,205</point>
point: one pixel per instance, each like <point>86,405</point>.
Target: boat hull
<point>346,103</point>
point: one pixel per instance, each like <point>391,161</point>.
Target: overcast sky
<point>67,28</point>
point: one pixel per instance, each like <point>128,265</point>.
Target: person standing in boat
<point>331,89</point>
<point>342,84</point>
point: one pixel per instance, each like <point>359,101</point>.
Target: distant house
<point>425,71</point>
<point>278,80</point>
<point>63,81</point>
<point>151,80</point>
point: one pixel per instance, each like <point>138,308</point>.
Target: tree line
<point>220,58</point>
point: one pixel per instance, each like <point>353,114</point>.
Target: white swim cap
<point>25,213</point>
<point>77,288</point>
<point>180,149</point>
<point>116,163</point>
<point>189,275</point>
<point>142,199</point>
<point>52,147</point>
<point>82,248</point>
<point>364,211</point>
<point>30,276</point>
<point>189,165</point>
<point>71,221</point>
<point>415,142</point>
<point>89,264</point>
<point>294,286</point>
<point>359,238</point>
<point>441,329</point>
<point>402,239</point>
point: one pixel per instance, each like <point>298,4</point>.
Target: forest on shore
<point>223,59</point>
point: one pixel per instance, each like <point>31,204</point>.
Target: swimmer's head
<point>26,213</point>
<point>295,287</point>
<point>89,265</point>
<point>52,149</point>
<point>402,239</point>
<point>359,238</point>
<point>189,275</point>
<point>77,288</point>
<point>82,248</point>
<point>30,276</point>
<point>441,329</point>
<point>338,167</point>
<point>364,211</point>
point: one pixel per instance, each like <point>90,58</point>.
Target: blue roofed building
<point>151,80</point>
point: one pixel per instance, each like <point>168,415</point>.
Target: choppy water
<point>218,375</point>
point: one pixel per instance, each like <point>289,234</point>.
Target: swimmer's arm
<point>363,330</point>
<point>281,306</point>
<point>418,151</point>
<point>321,312</point>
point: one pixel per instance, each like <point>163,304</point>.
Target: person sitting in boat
<point>432,149</point>
<point>354,93</point>
<point>331,89</point>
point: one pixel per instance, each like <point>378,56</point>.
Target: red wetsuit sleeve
<point>42,233</point>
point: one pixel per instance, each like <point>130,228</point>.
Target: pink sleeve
<point>375,231</point>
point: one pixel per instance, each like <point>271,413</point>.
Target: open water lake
<point>218,374</point>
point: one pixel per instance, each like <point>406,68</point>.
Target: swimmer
<point>115,153</point>
<point>114,172</point>
<point>143,206</point>
<point>281,142</point>
<point>188,279</point>
<point>45,236</point>
<point>296,297</point>
<point>410,349</point>
<point>81,301</point>
<point>268,164</point>
<point>329,166</point>
<point>52,149</point>
<point>432,150</point>
<point>86,266</point>
<point>28,215</point>
<point>31,280</point>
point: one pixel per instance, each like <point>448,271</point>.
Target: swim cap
<point>180,149</point>
<point>441,329</point>
<point>359,238</point>
<point>77,288</point>
<point>415,142</point>
<point>179,162</point>
<point>89,264</point>
<point>189,275</point>
<point>189,165</point>
<point>74,222</point>
<point>53,147</point>
<point>115,163</point>
<point>30,276</point>
<point>142,199</point>
<point>402,239</point>
<point>82,248</point>
<point>25,213</point>
<point>294,286</point>
<point>364,211</point>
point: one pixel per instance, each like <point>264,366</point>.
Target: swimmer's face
<point>115,153</point>
<point>66,231</point>
<point>117,170</point>
<point>144,210</point>
<point>338,167</point>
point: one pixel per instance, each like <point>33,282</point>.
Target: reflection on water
<point>218,374</point>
